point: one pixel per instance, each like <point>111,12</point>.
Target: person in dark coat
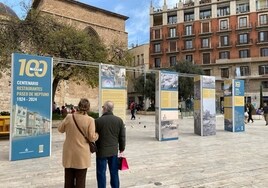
<point>112,139</point>
<point>265,113</point>
<point>250,111</point>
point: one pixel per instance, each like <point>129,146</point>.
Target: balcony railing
<point>223,29</point>
<point>154,38</point>
<point>168,36</point>
<point>242,44</point>
<point>204,2</point>
<point>242,27</point>
<point>169,51</point>
<point>261,42</point>
<point>228,45</point>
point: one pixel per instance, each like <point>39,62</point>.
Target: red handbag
<point>122,163</point>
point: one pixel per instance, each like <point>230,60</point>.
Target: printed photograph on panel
<point>113,76</point>
<point>227,88</point>
<point>169,81</point>
<point>197,92</point>
<point>197,122</point>
<point>228,119</point>
<point>208,82</point>
<point>209,116</point>
<point>169,129</point>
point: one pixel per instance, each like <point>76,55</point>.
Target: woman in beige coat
<point>76,156</point>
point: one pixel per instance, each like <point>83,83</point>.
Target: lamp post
<point>144,86</point>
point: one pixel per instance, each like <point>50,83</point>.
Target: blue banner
<point>30,128</point>
<point>239,105</point>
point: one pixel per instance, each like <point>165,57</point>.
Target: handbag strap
<point>79,128</point>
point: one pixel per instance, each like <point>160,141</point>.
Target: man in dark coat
<point>112,138</point>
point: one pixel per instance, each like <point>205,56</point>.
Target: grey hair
<point>109,106</point>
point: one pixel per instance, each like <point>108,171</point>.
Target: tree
<point>146,86</point>
<point>42,35</point>
<point>186,83</point>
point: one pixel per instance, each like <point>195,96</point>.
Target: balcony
<point>158,38</point>
<point>169,37</point>
<point>244,27</point>
<point>242,44</point>
<point>156,52</point>
<point>260,43</point>
<point>204,2</point>
<point>188,35</point>
<point>204,33</point>
<point>204,17</point>
<point>223,46</point>
<point>172,51</point>
<point>189,4</point>
<point>261,26</point>
<point>184,50</point>
<point>225,29</point>
<point>205,48</point>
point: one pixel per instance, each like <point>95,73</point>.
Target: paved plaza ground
<point>227,159</point>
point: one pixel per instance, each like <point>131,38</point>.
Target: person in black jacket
<point>112,138</point>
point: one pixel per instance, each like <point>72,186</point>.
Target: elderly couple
<point>109,133</point>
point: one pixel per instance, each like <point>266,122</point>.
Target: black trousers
<point>75,178</point>
<point>250,117</point>
<point>132,114</point>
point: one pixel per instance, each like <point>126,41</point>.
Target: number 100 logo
<point>33,67</point>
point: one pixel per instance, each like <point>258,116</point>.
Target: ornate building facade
<point>228,39</point>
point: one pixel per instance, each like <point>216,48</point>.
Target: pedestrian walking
<point>250,110</point>
<point>76,156</point>
<point>132,110</point>
<point>112,139</point>
<point>265,113</point>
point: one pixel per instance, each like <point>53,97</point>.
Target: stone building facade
<point>108,26</point>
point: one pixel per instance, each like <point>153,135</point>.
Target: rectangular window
<point>206,58</point>
<point>263,19</point>
<point>157,34</point>
<point>172,19</point>
<point>189,58</point>
<point>189,16</point>
<point>157,48</point>
<point>263,69</point>
<point>244,70</point>
<point>172,60</point>
<point>225,73</point>
<point>205,43</point>
<point>205,27</point>
<point>172,46</point>
<point>188,44</point>
<point>224,40</point>
<point>244,53</point>
<point>224,55</point>
<point>138,58</point>
<point>242,22</point>
<point>243,38</point>
<point>142,59</point>
<point>264,84</point>
<point>240,8</point>
<point>264,52</point>
<point>188,30</point>
<point>223,11</point>
<point>205,14</point>
<point>172,32</point>
<point>263,36</point>
<point>157,62</point>
<point>223,24</point>
<point>207,72</point>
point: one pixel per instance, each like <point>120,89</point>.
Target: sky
<point>137,26</point>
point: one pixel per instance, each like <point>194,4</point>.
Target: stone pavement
<point>227,159</point>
